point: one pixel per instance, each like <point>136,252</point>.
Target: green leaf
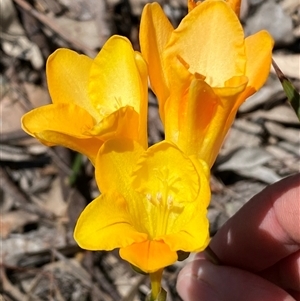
<point>290,91</point>
<point>76,167</point>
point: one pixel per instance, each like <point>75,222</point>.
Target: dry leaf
<point>13,220</point>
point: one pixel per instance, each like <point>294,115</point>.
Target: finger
<point>264,231</point>
<point>285,273</point>
<point>202,280</point>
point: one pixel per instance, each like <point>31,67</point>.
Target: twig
<point>9,137</point>
<point>106,285</point>
<point>131,294</point>
<point>20,197</point>
<point>102,19</point>
<point>62,32</point>
<point>8,288</point>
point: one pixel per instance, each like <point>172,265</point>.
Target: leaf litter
<point>39,207</point>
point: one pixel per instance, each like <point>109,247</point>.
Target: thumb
<point>201,280</point>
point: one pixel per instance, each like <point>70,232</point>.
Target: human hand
<point>259,248</point>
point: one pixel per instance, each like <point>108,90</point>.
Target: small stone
<point>271,17</point>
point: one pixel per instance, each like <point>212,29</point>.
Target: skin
<point>259,248</point>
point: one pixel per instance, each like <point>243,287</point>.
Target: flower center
<point>163,212</point>
<point>161,203</point>
<point>165,182</point>
<point>104,110</point>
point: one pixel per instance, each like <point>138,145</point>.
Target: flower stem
<point>155,279</point>
<point>212,256</point>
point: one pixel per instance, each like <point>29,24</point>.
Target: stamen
<point>170,200</point>
<point>118,103</point>
<point>102,111</point>
<point>159,197</point>
<point>149,197</point>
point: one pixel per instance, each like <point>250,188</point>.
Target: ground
<point>42,190</point>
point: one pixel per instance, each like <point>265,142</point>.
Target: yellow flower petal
<point>190,230</point>
<point>114,80</point>
<point>167,186</point>
<point>176,104</point>
<point>88,146</point>
<point>104,225</point>
<point>67,76</point>
<point>160,172</point>
<point>198,117</point>
<point>50,124</point>
<point>259,57</point>
<point>196,113</point>
<point>155,31</point>
<point>203,170</point>
<point>213,111</point>
<point>210,39</point>
<point>58,117</point>
<point>143,112</point>
<point>193,236</point>
<point>116,160</point>
<point>121,123</point>
<point>149,256</point>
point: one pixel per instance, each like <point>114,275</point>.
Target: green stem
<point>75,169</point>
<point>155,279</point>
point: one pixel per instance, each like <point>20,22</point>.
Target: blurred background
<point>43,190</point>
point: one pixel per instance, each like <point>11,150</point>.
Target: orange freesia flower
<point>202,71</point>
<point>153,204</point>
<point>93,99</point>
